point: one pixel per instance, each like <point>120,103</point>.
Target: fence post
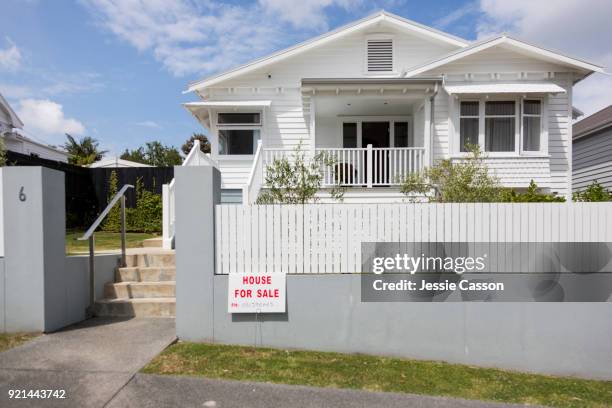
<point>197,191</point>
<point>370,166</point>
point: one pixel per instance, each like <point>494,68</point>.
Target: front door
<point>378,134</point>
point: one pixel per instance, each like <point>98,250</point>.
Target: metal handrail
<point>89,235</point>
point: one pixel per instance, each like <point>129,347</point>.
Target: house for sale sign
<point>256,293</point>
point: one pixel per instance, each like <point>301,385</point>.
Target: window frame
<point>376,118</point>
<point>238,126</point>
<point>518,128</point>
<point>542,127</point>
<point>467,116</point>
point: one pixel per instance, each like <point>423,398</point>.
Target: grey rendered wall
<point>592,160</point>
<point>325,312</point>
<point>197,190</point>
<point>40,288</point>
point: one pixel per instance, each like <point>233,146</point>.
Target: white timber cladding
<point>288,120</point>
<point>326,238</point>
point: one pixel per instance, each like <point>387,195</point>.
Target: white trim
<point>504,88</point>
<point>499,40</point>
<point>226,104</point>
<point>373,19</point>
<point>375,118</point>
<point>15,121</point>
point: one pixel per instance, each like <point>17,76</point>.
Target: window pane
<point>468,132</point>
<point>238,118</point>
<point>469,108</point>
<point>402,136</point>
<point>531,107</point>
<point>499,134</point>
<point>349,135</point>
<point>237,141</point>
<point>531,133</point>
<point>499,108</point>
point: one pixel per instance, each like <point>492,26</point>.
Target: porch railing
<point>362,167</point>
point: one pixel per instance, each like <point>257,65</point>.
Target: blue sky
<point>115,70</point>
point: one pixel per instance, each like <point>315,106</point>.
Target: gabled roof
<point>15,121</point>
<point>117,162</point>
<point>597,121</point>
<point>400,22</point>
<point>507,40</point>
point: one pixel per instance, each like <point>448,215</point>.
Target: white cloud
<point>10,57</point>
<point>201,37</point>
<point>46,118</point>
<point>456,15</point>
<point>305,13</point>
<point>149,124</point>
<point>577,27</point>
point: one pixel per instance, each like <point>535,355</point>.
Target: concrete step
<point>142,307</point>
<point>140,290</point>
<point>152,243</point>
<point>151,259</point>
<point>145,274</point>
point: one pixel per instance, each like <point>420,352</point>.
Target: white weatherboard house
<point>387,96</point>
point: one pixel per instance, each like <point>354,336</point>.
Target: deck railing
<point>361,167</point>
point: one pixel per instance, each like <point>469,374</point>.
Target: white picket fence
<point>326,238</point>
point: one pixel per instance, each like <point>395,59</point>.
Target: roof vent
<point>380,55</point>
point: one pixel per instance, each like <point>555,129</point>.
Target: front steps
<point>146,287</point>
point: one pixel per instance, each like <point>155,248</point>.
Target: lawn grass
<point>104,241</point>
<point>374,373</point>
<point>10,340</point>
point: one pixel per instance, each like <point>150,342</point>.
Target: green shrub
<point>112,222</point>
<point>464,181</point>
<point>297,181</point>
<point>532,195</point>
<point>593,193</point>
<point>147,216</point>
<point>2,152</point>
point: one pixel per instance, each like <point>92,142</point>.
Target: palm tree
<point>83,151</point>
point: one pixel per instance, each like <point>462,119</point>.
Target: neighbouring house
<point>387,96</point>
<point>114,162</point>
<point>592,150</point>
<point>17,142</point>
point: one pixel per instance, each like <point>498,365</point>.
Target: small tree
<point>147,215</point>
<point>595,192</point>
<point>297,181</point>
<point>204,144</point>
<point>464,181</point>
<point>84,151</point>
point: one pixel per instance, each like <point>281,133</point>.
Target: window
<point>532,125</point>
<point>468,124</point>
<point>402,136</point>
<point>380,55</point>
<point>238,132</point>
<point>500,126</point>
<point>349,135</point>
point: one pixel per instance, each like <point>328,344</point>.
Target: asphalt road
<point>148,391</point>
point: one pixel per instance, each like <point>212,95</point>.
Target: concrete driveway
<point>91,361</point>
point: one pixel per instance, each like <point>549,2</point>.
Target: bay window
<point>238,133</point>
<point>502,126</point>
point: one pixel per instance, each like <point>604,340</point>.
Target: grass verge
<point>10,340</point>
<point>105,241</point>
<point>374,373</point>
